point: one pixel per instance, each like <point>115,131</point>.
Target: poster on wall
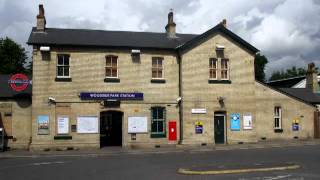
<point>43,124</point>
<point>63,124</point>
<point>295,124</point>
<point>137,124</point>
<point>247,121</point>
<point>87,124</point>
<point>235,121</point>
<point>199,127</point>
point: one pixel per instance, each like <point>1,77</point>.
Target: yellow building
<point>95,88</point>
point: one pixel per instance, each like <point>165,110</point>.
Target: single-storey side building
<point>94,88</point>
<point>15,111</point>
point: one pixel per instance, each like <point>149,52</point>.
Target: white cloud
<point>286,31</point>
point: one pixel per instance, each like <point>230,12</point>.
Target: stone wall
<point>16,118</point>
<point>292,109</point>
<point>87,69</point>
<point>199,93</point>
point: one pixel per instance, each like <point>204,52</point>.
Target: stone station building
<point>94,88</point>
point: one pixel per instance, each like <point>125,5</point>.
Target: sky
<point>287,32</point>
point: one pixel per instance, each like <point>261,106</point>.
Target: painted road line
<point>47,163</point>
<point>233,171</point>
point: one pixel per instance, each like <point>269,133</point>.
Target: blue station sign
<point>111,96</point>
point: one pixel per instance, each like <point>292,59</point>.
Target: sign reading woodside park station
<point>19,82</point>
<point>110,95</point>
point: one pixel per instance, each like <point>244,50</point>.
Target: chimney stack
<point>311,78</point>
<point>41,19</point>
<point>171,26</point>
<point>224,23</point>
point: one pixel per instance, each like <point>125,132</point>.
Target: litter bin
<point>1,139</point>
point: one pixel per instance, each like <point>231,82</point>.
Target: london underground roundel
<point>19,82</point>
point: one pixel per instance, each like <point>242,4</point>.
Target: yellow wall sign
<point>296,120</point>
<point>199,123</point>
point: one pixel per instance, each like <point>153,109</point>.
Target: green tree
<point>12,57</point>
<point>260,62</point>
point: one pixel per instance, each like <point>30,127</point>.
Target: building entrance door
<point>111,128</point>
<point>219,128</point>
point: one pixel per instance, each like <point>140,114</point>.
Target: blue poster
<point>235,122</point>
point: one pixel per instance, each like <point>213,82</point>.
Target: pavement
<point>161,150</point>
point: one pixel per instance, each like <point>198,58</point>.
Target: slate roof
<point>286,83</point>
<point>99,38</point>
<point>7,92</point>
<point>303,94</point>
<point>126,39</point>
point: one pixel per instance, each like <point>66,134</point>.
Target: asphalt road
<point>164,166</point>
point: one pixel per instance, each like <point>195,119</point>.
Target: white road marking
<point>47,163</point>
<point>267,177</point>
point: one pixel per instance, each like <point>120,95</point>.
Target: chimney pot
<point>41,19</point>
<point>171,26</point>
<point>224,23</point>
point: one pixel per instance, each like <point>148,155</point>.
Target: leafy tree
<point>12,57</point>
<point>260,62</point>
<point>291,72</point>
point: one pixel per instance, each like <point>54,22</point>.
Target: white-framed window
<point>225,69</point>
<point>277,117</point>
<point>157,68</point>
<point>111,67</point>
<point>63,66</point>
<point>213,63</point>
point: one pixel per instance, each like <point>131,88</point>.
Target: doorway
<point>111,128</point>
<point>219,128</point>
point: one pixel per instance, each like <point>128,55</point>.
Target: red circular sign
<point>19,82</point>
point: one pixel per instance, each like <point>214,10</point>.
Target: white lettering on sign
<point>199,111</point>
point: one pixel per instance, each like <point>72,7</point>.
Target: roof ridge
<point>286,78</point>
<point>106,30</point>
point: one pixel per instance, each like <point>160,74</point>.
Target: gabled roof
<point>218,28</point>
<point>99,38</point>
<point>304,94</point>
<point>286,83</point>
<point>290,92</point>
<point>127,39</point>
<point>7,92</point>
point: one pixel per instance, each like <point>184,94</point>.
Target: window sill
<point>160,81</point>
<point>215,81</point>
<point>158,135</point>
<point>278,130</point>
<point>63,79</point>
<point>62,137</point>
<point>111,80</point>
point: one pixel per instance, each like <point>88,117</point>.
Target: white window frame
<point>162,67</point>
<point>279,116</point>
<point>213,68</point>
<point>228,68</point>
<point>57,65</point>
<point>111,77</point>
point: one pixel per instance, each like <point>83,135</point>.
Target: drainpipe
<point>180,104</point>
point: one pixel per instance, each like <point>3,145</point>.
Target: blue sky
<point>286,31</point>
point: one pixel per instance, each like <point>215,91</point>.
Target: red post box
<point>172,130</point>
